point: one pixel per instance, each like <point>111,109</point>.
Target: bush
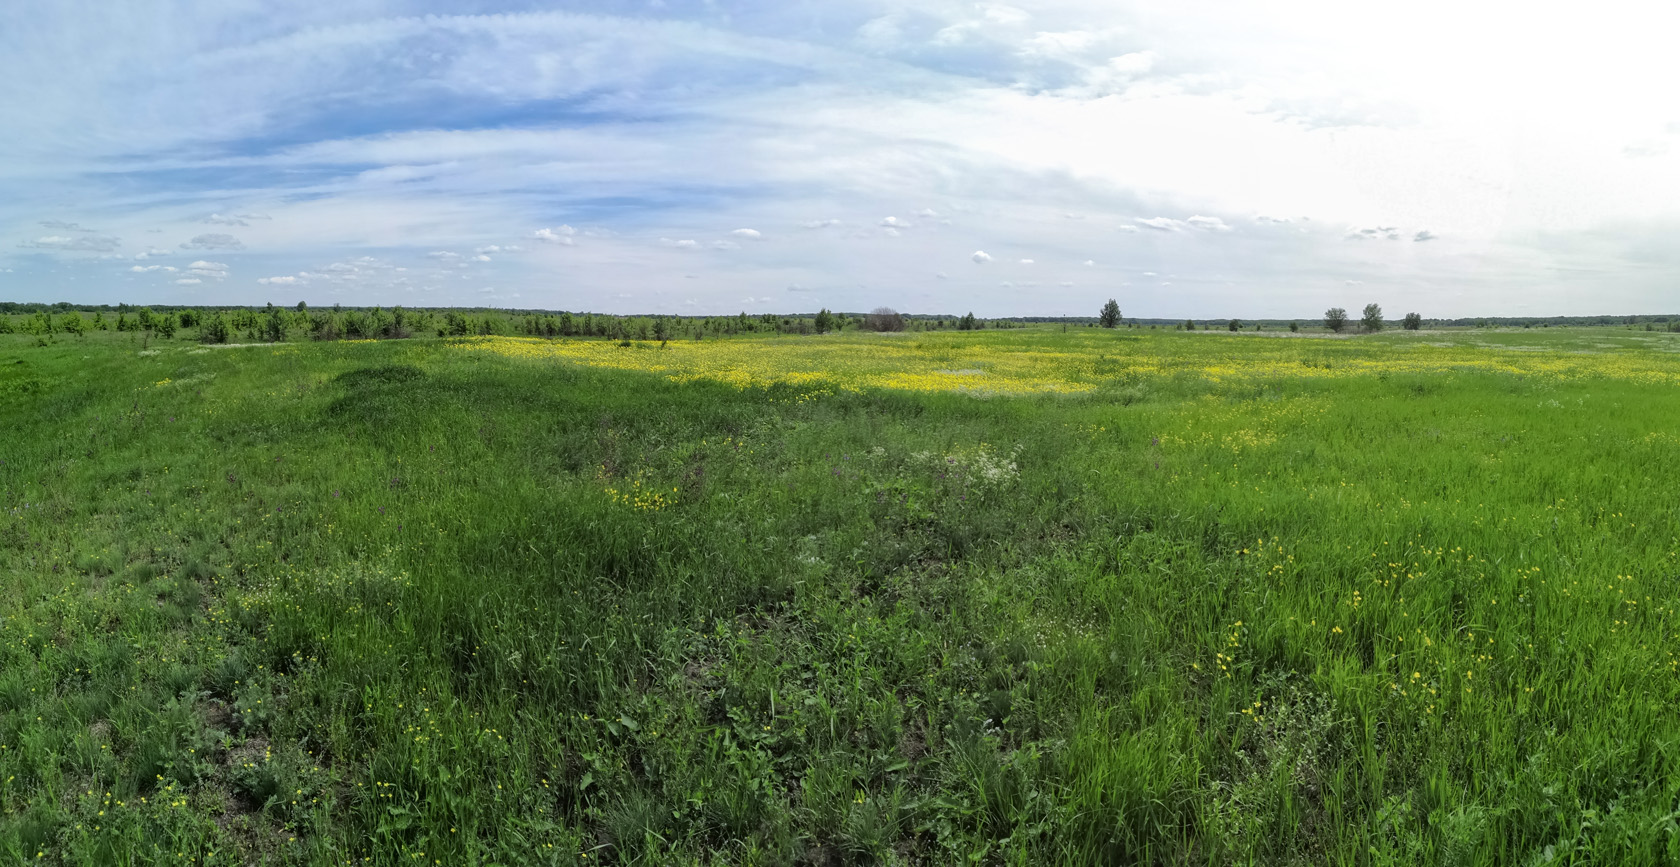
<point>214,329</point>
<point>1236,325</point>
<point>1294,327</point>
<point>166,325</point>
<point>886,319</point>
<point>1335,319</point>
<point>273,325</point>
<point>1412,322</point>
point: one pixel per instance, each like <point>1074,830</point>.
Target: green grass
<point>396,603</point>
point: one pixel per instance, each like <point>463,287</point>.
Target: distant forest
<point>225,323</point>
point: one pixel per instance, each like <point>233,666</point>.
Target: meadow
<point>1028,596</point>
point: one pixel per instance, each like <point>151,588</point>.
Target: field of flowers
<point>1014,597</point>
<point>1016,363</point>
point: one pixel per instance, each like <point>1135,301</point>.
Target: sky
<point>1212,159</point>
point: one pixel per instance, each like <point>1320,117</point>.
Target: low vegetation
<point>1003,596</point>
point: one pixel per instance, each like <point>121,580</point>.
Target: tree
<point>967,323</point>
<point>213,329</point>
<point>166,325</point>
<point>1294,327</point>
<point>273,325</point>
<point>1110,315</point>
<point>824,322</point>
<point>1372,318</point>
<point>1335,319</point>
<point>1236,325</point>
<point>1412,322</point>
<point>74,323</point>
<point>883,319</point>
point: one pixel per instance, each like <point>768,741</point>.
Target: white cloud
<point>63,226</point>
<point>481,258</point>
<point>750,234</point>
<point>686,244</point>
<point>558,235</point>
<point>213,242</point>
<point>892,222</point>
<point>147,269</point>
<point>1065,284</point>
<point>981,257</point>
<point>795,287</point>
<point>287,280</point>
<point>1026,261</point>
<point>488,248</point>
<point>725,245</point>
<point>1128,228</point>
<point>1425,235</point>
<point>75,243</point>
<point>225,220</point>
<point>1266,218</point>
<point>1162,224</point>
<point>1208,224</point>
<point>188,281</point>
<point>819,224</point>
<point>940,276</point>
<point>928,213</point>
<point>1375,233</point>
<point>1089,263</point>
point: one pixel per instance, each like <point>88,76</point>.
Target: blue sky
<point>1209,160</point>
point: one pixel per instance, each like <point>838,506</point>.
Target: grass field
<point>1015,597</point>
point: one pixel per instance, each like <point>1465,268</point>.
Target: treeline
<point>274,324</point>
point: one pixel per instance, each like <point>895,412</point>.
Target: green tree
<point>166,325</point>
<point>273,325</point>
<point>1371,320</point>
<point>824,322</point>
<point>1335,319</point>
<point>1110,315</point>
<point>214,329</point>
<point>1412,322</point>
<point>74,323</point>
<point>1236,325</point>
<point>1294,327</point>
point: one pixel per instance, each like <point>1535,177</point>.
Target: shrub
<point>166,325</point>
<point>273,325</point>
<point>214,329</point>
<point>1294,327</point>
<point>1412,322</point>
<point>888,319</point>
<point>1236,325</point>
<point>74,323</point>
